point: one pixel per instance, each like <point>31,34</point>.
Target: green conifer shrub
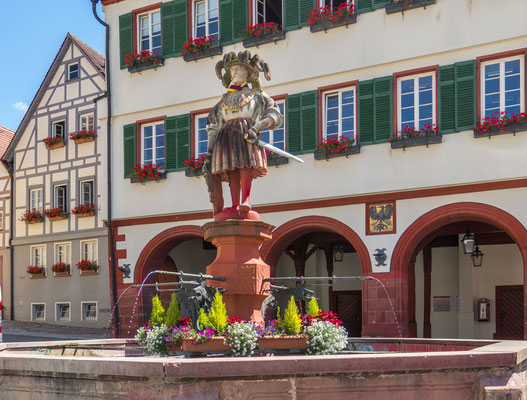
<point>157,317</point>
<point>203,320</point>
<point>292,323</point>
<point>217,318</point>
<point>173,312</point>
<point>312,307</point>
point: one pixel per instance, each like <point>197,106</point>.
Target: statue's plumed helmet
<point>254,66</point>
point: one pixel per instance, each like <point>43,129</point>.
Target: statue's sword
<point>278,151</point>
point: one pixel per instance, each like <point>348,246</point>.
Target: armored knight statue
<point>234,153</point>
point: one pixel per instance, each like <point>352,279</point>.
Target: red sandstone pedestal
<point>238,260</point>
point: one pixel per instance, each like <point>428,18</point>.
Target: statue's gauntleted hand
<point>207,164</point>
<point>251,136</point>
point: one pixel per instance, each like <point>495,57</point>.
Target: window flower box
<point>143,61</point>
<point>83,137</point>
<point>257,35</point>
<point>215,343</point>
<point>206,46</point>
<point>55,214</point>
<point>32,217</point>
<point>403,5</point>
<point>54,142</point>
<point>194,166</point>
<point>88,267</point>
<point>334,147</point>
<point>410,137</point>
<point>84,210</point>
<point>276,161</point>
<point>298,342</point>
<point>501,125</point>
<point>61,269</point>
<point>324,18</point>
<point>146,173</point>
<point>36,272</point>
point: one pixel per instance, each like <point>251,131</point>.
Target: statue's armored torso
<point>242,104</point>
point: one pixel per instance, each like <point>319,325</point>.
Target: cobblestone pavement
<point>23,331</point>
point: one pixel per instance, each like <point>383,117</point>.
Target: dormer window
<point>73,71</point>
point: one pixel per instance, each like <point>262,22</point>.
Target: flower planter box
<point>146,65</point>
<point>64,273</point>
<point>89,272</point>
<point>417,141</point>
<point>276,161</point>
<point>34,221</point>
<point>213,344</point>
<point>84,140</point>
<point>136,179</point>
<point>37,276</point>
<point>210,52</point>
<point>352,150</point>
<point>402,6</point>
<point>324,25</point>
<point>84,215</point>
<point>173,347</point>
<point>55,145</point>
<point>194,172</point>
<point>58,217</point>
<point>282,342</point>
<point>512,128</point>
<point>264,39</point>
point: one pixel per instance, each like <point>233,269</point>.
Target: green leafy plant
<point>242,338</point>
<point>203,319</point>
<point>158,312</point>
<point>324,337</point>
<point>312,307</point>
<point>173,313</point>
<point>217,317</point>
<point>292,323</point>
<point>152,339</point>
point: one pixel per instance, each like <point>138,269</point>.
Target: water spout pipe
<point>201,276</point>
<point>317,278</point>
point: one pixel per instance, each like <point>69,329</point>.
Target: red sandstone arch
<point>156,250</point>
<point>431,221</point>
<point>292,230</point>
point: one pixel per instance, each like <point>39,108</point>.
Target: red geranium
<point>193,164</point>
<point>266,28</point>
<point>497,123</point>
<point>147,172</point>
<point>327,147</point>
<point>132,60</point>
<point>343,13</point>
<point>195,46</point>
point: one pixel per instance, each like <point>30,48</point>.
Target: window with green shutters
<point>126,38</point>
<point>363,6</point>
<point>129,148</point>
<point>296,13</point>
<point>174,27</point>
<point>375,100</point>
<point>457,96</point>
<point>177,142</point>
<point>233,20</point>
<point>302,122</point>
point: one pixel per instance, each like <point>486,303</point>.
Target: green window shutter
<point>291,14</point>
<point>309,111</point>
<point>182,139</point>
<point>447,99</point>
<point>305,7</point>
<point>380,3</point>
<point>129,148</point>
<point>239,19</point>
<point>126,40</point>
<point>465,95</point>
<point>363,6</point>
<point>383,101</point>
<point>174,27</point>
<point>294,125</point>
<point>170,144</point>
<point>233,20</point>
<point>366,112</point>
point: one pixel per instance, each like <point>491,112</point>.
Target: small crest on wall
<point>380,218</point>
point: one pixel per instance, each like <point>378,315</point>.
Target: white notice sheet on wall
<point>441,303</point>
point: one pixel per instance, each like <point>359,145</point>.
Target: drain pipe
<point>11,249</point>
<point>109,167</point>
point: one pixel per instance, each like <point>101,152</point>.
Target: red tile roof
<point>6,136</point>
<point>96,58</point>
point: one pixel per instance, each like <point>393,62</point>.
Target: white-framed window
<point>206,18</point>
<point>502,86</point>
<point>276,137</point>
<point>334,3</point>
<point>35,199</point>
<point>89,310</point>
<point>38,255</point>
<point>86,192</point>
<point>268,11</point>
<point>62,312</point>
<point>58,128</point>
<point>63,253</point>
<point>416,101</point>
<point>201,137</point>
<point>73,71</point>
<point>339,113</point>
<point>38,311</point>
<point>153,139</point>
<point>86,122</point>
<point>60,193</point>
<point>149,31</point>
<point>89,250</point>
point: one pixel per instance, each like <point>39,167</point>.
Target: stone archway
<point>425,225</point>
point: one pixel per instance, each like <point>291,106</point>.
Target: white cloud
<point>20,106</point>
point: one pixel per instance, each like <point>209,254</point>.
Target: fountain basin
<point>110,369</point>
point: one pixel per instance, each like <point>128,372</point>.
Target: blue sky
<point>33,31</point>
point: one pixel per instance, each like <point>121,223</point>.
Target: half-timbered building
<point>56,195</point>
<point>397,203</point>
